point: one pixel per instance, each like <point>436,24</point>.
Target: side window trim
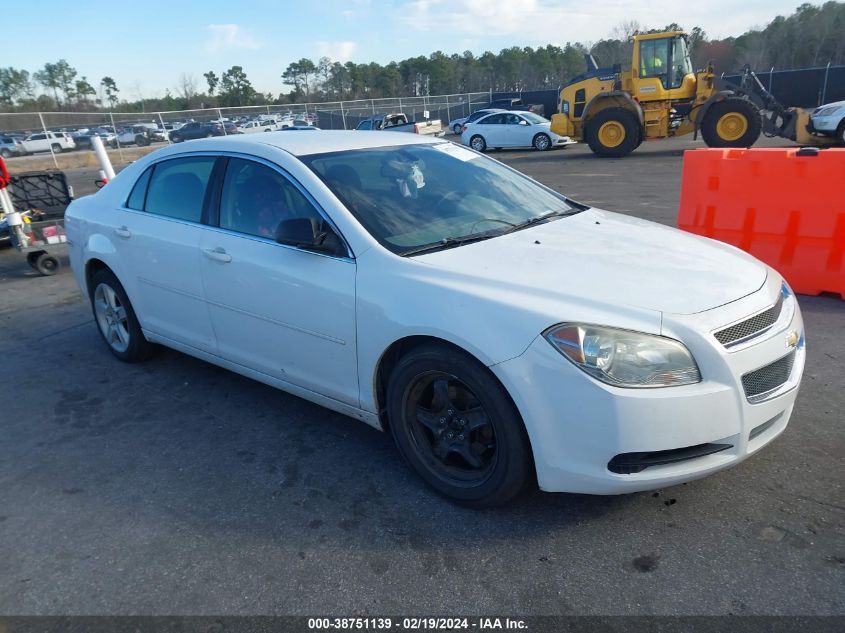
<point>217,187</point>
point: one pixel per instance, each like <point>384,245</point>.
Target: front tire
<point>732,122</point>
<point>457,427</point>
<point>116,319</point>
<point>542,142</point>
<point>57,149</point>
<point>613,133</point>
<point>840,133</point>
<point>478,143</point>
<point>46,264</point>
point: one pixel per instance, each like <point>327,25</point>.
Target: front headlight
<point>623,358</point>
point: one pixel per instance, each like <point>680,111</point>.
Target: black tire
<point>457,129</point>
<point>6,153</point>
<point>840,133</point>
<point>630,124</point>
<point>743,107</point>
<point>542,142</point>
<point>57,149</point>
<point>138,348</point>
<point>47,264</point>
<point>478,143</point>
<point>481,460</point>
<point>141,140</point>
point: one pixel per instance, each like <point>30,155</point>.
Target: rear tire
<point>457,129</point>
<point>613,133</point>
<point>6,153</point>
<point>116,320</point>
<point>840,133</point>
<point>456,426</point>
<point>733,122</point>
<point>478,143</point>
<point>57,149</point>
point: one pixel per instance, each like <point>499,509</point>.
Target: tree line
<point>811,36</point>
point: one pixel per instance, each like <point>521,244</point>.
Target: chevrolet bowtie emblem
<point>792,338</point>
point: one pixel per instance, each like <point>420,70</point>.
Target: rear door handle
<point>123,232</point>
<point>218,254</point>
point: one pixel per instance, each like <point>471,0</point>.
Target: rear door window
<point>177,187</point>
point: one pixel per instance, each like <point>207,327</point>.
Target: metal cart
<point>41,241</point>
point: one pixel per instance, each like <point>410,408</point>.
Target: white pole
<point>102,156</point>
<point>343,114</point>
<point>116,137</point>
<point>52,153</point>
<point>164,129</point>
<point>222,123</point>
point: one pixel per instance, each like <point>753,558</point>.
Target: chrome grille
<point>750,327</point>
<point>768,378</point>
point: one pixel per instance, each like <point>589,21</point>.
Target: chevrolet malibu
<point>505,335</point>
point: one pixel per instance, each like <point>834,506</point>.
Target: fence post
<point>343,114</point>
<point>771,77</point>
<point>222,123</point>
<point>373,105</point>
<point>824,89</point>
<point>52,153</point>
<point>469,105</point>
<point>116,137</point>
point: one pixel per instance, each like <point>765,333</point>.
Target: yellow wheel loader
<point>660,95</point>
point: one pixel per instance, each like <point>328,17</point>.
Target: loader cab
<point>661,68</point>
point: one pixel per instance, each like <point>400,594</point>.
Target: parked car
<point>829,120</point>
<point>457,125</point>
<point>82,138</point>
<point>433,292</point>
<point>266,125</point>
<point>9,146</point>
<point>399,122</point>
<point>512,129</point>
<point>195,129</point>
<point>139,135</point>
<point>45,141</point>
<point>306,126</point>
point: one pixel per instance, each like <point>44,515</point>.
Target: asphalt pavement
<point>176,487</point>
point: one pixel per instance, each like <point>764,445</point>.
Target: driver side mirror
<point>302,233</point>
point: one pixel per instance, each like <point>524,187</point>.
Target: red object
<point>785,206</point>
<point>4,174</point>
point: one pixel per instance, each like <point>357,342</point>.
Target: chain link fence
<point>120,130</point>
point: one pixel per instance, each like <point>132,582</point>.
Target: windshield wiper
<point>540,219</point>
<point>448,242</point>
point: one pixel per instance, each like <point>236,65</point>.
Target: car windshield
<point>437,195</point>
<point>533,118</point>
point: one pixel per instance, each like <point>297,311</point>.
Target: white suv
<point>43,142</point>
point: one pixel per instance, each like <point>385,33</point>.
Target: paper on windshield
<point>461,153</point>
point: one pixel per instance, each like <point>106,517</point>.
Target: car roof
<point>324,142</point>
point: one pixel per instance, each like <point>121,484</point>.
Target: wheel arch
<point>612,99</point>
<point>400,348</point>
<point>701,111</point>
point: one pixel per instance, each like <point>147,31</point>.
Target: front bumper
<point>578,425</point>
<point>826,124</point>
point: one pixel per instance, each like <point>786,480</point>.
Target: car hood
<point>612,259</point>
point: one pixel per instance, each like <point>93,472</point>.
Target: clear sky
<point>147,44</point>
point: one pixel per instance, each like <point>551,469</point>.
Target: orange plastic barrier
<point>784,208</point>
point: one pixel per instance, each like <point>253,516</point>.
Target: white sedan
<point>503,333</point>
<point>512,129</point>
<point>829,120</point>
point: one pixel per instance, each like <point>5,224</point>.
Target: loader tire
<point>734,122</point>
<point>613,133</point>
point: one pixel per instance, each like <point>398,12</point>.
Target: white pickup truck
<point>398,122</point>
<point>43,142</point>
<point>264,125</point>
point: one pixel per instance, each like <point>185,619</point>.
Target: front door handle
<point>218,254</point>
<point>123,232</point>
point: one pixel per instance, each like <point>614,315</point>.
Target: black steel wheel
<point>457,427</point>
